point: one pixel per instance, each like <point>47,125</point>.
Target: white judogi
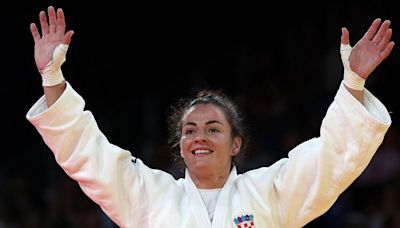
<point>290,193</point>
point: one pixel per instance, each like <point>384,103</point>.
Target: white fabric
<point>52,74</point>
<point>289,193</point>
<point>351,79</point>
<point>210,198</point>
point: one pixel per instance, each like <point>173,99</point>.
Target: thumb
<point>345,48</point>
<point>345,39</point>
<point>68,37</point>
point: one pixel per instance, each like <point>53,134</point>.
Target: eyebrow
<point>207,123</point>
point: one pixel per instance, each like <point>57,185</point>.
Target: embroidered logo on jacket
<point>244,221</point>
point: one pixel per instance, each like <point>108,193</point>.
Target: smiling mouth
<point>201,152</point>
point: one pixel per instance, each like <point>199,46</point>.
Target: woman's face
<point>206,144</point>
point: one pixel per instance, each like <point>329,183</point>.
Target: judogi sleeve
<point>105,172</point>
<point>307,183</point>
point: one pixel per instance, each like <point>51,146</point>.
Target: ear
<point>237,144</point>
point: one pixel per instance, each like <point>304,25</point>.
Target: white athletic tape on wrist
<point>51,73</point>
<point>350,78</point>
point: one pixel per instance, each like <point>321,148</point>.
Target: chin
<point>202,166</point>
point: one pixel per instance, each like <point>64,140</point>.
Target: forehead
<point>204,112</point>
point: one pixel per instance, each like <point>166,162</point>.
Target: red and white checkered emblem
<point>244,221</point>
<point>246,224</point>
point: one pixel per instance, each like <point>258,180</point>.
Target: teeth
<point>202,152</point>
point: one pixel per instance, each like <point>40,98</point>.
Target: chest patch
<point>245,221</point>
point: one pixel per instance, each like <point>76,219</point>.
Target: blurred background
<point>280,61</point>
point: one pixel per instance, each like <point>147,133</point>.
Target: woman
<point>290,193</point>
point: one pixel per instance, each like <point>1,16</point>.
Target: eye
<point>188,131</point>
<point>213,130</point>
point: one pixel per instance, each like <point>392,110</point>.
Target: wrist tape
<point>51,73</point>
<point>350,78</point>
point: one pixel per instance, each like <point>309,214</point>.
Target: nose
<point>200,137</point>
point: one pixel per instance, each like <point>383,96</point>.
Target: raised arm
<point>307,183</point>
<point>50,50</point>
<point>365,56</point>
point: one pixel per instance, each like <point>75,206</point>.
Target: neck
<point>209,180</point>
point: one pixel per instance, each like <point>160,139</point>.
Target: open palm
<point>53,34</point>
<point>371,49</point>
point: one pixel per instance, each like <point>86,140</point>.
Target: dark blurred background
<point>130,61</point>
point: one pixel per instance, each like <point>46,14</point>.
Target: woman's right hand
<point>53,34</point>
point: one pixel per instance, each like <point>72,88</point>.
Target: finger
<point>52,19</point>
<point>381,32</point>
<point>345,39</point>
<point>68,37</point>
<point>34,32</point>
<point>385,53</point>
<point>60,21</point>
<point>384,42</point>
<point>372,29</point>
<point>43,23</point>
